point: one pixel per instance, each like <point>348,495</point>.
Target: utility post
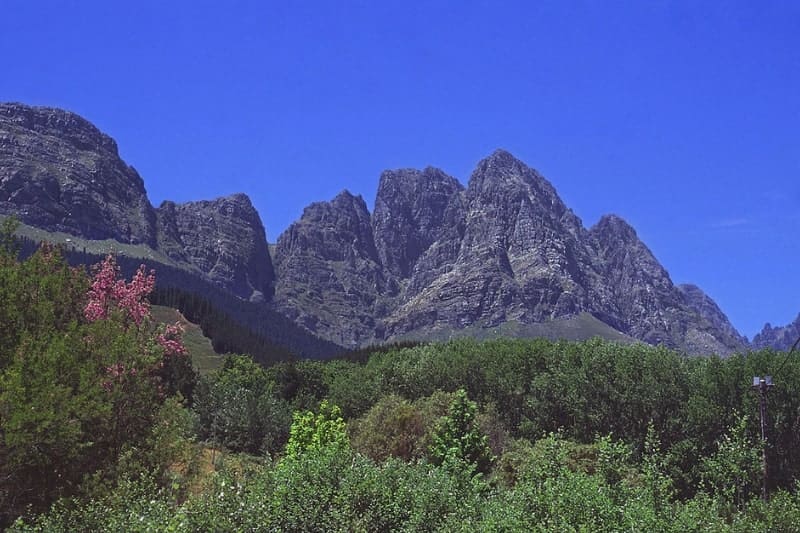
<point>763,384</point>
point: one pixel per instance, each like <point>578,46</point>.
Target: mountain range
<point>502,255</point>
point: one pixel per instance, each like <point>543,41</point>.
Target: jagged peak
<point>502,158</point>
<point>345,200</point>
<point>616,225</point>
<point>240,199</point>
<point>345,194</point>
<point>412,177</point>
<point>501,167</point>
<point>345,197</point>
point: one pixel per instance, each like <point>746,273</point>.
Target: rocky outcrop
<point>646,304</point>
<point>413,210</point>
<point>778,338</point>
<point>505,249</point>
<point>224,239</point>
<point>434,257</point>
<point>60,173</point>
<point>518,256</point>
<point>707,308</point>
<point>329,275</point>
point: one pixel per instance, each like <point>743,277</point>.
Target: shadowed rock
<point>60,173</point>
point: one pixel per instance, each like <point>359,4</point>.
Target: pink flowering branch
<point>172,340</point>
<point>107,292</point>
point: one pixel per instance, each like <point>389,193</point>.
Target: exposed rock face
<point>328,271</point>
<point>505,249</point>
<point>647,305</point>
<point>643,296</point>
<point>518,257</point>
<point>699,301</point>
<point>414,210</point>
<point>433,257</point>
<point>60,173</point>
<point>224,239</point>
<point>779,338</point>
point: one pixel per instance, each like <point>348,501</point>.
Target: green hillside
<point>576,328</point>
<point>204,358</point>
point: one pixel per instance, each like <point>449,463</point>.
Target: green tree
<point>77,389</point>
<point>458,438</point>
<point>733,473</point>
<point>237,408</point>
<point>393,427</point>
<point>324,430</point>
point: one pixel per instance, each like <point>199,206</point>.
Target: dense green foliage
<point>504,435</point>
<point>79,393</point>
<point>237,408</point>
<point>458,439</point>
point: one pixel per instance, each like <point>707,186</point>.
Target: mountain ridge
<point>505,248</point>
<point>433,254</point>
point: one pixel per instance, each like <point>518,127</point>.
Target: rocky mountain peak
<point>413,210</point>
<point>504,185</point>
<point>434,257</point>
<point>342,227</point>
<point>708,309</point>
<point>328,270</point>
<point>60,173</point>
<point>778,337</point>
<point>223,238</point>
<point>346,200</point>
<point>644,301</point>
<point>64,125</point>
<point>614,229</point>
<point>501,167</point>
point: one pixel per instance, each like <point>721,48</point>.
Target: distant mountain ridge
<point>433,259</point>
<point>437,257</point>
<point>780,338</point>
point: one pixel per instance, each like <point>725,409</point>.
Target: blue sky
<point>681,117</point>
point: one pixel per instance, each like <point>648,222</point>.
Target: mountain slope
<point>224,239</point>
<point>505,250</point>
<point>502,254</point>
<point>779,338</point>
<point>328,271</point>
<point>60,173</point>
<point>65,181</point>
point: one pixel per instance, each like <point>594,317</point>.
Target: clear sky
<point>681,117</point>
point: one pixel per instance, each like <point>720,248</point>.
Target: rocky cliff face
<point>646,304</point>
<point>224,239</point>
<point>329,275</point>
<point>504,249</point>
<point>415,210</point>
<point>779,338</point>
<point>517,257</point>
<point>433,257</point>
<point>60,173</point>
<point>707,308</point>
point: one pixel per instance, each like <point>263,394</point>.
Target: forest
<point>105,426</point>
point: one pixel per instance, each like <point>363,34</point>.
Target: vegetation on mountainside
<point>102,428</point>
<point>83,373</point>
<point>204,358</point>
<point>233,325</point>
